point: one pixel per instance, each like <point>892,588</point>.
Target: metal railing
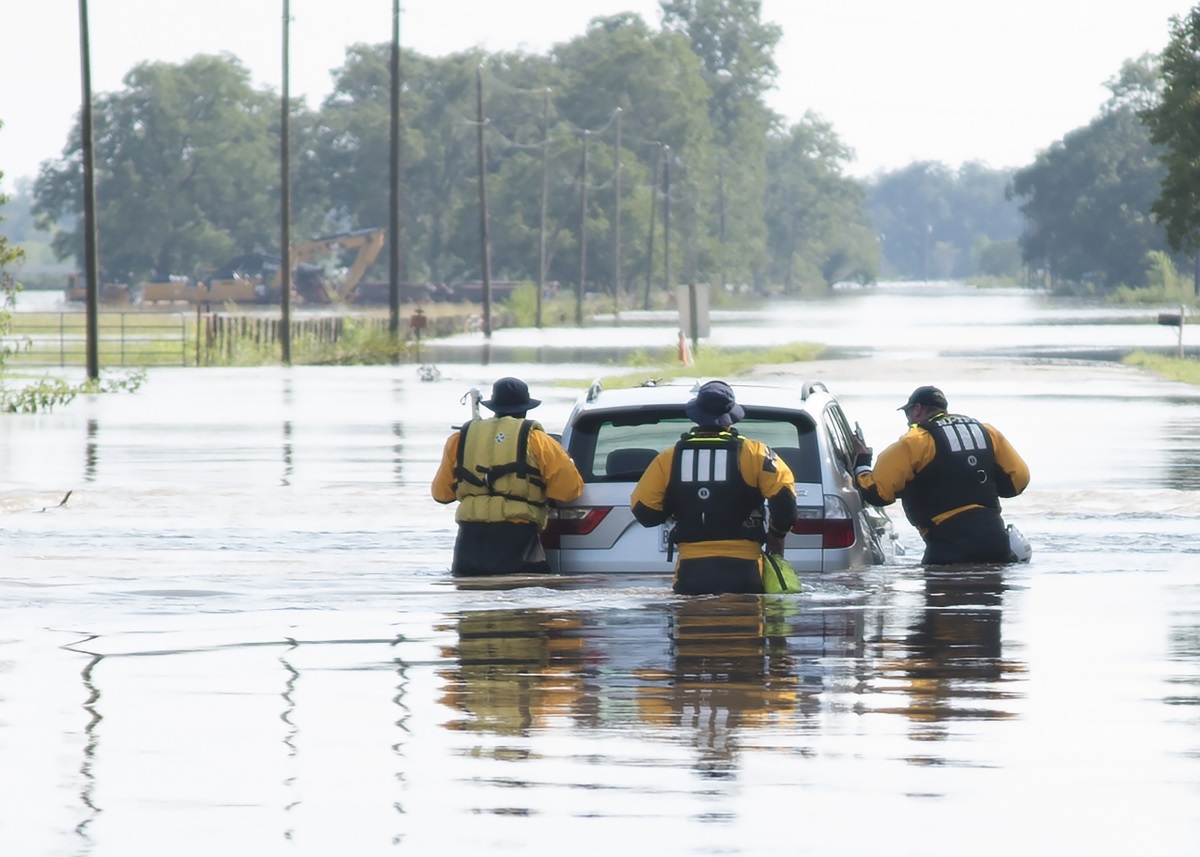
<point>140,339</point>
<point>126,339</point>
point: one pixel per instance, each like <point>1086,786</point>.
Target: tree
<point>658,83</point>
<point>186,171</point>
<point>818,232</point>
<point>619,62</point>
<point>910,207</point>
<point>996,258</point>
<point>9,255</point>
<point>1088,198</point>
<point>736,48</point>
<point>21,226</point>
<point>1172,121</point>
<point>930,218</point>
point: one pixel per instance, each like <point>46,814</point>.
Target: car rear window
<point>617,447</point>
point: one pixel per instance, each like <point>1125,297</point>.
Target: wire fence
<point>125,339</point>
<point>135,339</point>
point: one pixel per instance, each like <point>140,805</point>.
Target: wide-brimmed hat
<point>931,397</point>
<point>714,405</point>
<point>510,396</point>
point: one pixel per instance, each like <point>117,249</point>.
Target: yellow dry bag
<point>778,576</point>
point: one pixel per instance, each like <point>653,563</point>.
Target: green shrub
<point>1164,284</point>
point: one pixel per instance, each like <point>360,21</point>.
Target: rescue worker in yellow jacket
<point>949,472</point>
<point>712,483</point>
<point>502,470</point>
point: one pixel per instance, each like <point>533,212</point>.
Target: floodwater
<point>237,635</point>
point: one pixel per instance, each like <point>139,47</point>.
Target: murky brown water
<point>238,634</point>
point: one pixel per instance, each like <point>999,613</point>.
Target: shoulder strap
<point>484,477</point>
<point>521,467</point>
<point>461,472</point>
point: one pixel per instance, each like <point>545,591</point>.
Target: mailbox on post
<point>1174,319</point>
<point>418,322</point>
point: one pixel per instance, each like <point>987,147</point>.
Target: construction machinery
<point>109,293</point>
<point>368,244</point>
<point>255,277</point>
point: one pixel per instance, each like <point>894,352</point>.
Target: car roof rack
<point>594,390</point>
<point>809,387</point>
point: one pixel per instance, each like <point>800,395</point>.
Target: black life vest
<point>962,473</point>
<point>706,494</point>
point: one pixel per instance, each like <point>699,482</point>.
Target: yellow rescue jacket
<point>497,477</point>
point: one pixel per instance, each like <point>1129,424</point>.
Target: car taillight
<point>572,521</point>
<point>832,523</point>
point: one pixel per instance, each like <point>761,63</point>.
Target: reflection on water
<point>513,670</point>
<point>1183,458</point>
<point>239,634</point>
<point>1183,693</point>
<point>398,453</point>
<point>87,792</point>
<point>953,665</point>
<point>90,451</point>
<point>711,671</point>
<point>287,454</point>
<point>728,670</point>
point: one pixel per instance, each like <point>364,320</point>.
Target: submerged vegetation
<point>46,393</point>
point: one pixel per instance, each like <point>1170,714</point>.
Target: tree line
<point>616,154</point>
<point>619,159</point>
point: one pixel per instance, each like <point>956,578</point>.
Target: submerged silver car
<point>613,435</point>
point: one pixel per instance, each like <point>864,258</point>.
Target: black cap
<point>510,396</point>
<point>714,405</point>
<point>931,397</point>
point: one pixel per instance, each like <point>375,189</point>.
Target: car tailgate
<point>618,544</point>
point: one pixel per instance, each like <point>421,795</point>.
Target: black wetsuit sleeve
<point>782,507</point>
<point>648,517</point>
<point>651,491</point>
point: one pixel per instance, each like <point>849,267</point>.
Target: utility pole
<point>583,200</point>
<point>91,257</point>
<point>484,238</point>
<point>667,219</point>
<point>285,205</point>
<point>541,286</point>
<point>721,217</point>
<point>617,226</point>
<point>394,188</point>
<point>650,240</point>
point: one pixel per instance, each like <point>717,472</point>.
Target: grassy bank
<point>1183,369</point>
<point>708,362</point>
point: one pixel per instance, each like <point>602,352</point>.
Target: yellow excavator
<point>368,243</point>
<point>255,277</point>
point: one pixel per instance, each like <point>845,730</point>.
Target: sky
<point>899,80</point>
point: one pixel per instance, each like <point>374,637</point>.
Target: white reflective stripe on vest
<point>703,465</point>
<point>964,437</point>
<point>719,468</point>
<point>687,463</point>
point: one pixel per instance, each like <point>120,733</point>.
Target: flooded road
<point>238,634</point>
